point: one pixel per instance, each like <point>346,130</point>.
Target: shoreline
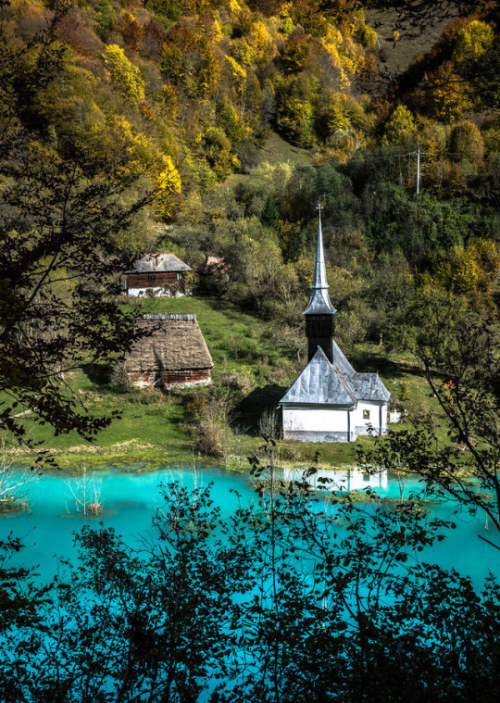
<point>149,459</point>
<point>75,464</point>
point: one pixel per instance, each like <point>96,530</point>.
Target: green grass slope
<point>151,429</point>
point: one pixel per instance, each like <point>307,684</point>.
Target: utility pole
<point>418,170</point>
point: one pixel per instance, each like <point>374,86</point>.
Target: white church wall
<point>384,419</point>
<point>369,413</point>
<point>315,424</point>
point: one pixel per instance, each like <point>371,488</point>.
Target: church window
<point>366,414</point>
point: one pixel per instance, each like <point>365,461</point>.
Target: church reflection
<point>353,479</point>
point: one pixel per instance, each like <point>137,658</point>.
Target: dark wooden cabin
<point>162,274</point>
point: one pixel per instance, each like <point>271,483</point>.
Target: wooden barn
<point>172,353</point>
<point>162,274</point>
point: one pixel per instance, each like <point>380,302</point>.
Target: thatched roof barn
<point>172,353</point>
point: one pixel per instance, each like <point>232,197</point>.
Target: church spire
<point>320,312</point>
<point>320,303</point>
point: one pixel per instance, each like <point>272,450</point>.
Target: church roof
<point>366,386</point>
<point>319,383</point>
<point>320,303</point>
<point>369,386</point>
<point>323,383</point>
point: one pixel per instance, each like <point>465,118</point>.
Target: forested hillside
<point>213,127</point>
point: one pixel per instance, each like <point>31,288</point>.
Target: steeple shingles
<point>320,303</point>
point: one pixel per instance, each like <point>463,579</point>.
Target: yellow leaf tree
<point>123,73</point>
<point>168,186</point>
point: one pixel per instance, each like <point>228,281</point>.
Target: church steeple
<point>320,311</point>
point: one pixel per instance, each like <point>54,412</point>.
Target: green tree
<point>104,13</point>
<point>294,110</point>
<point>217,150</point>
<point>58,251</point>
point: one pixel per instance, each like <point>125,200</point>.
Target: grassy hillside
<point>152,426</point>
<point>231,120</point>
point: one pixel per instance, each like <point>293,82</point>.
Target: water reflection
<point>353,479</point>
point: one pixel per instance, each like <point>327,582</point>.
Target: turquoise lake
<point>130,499</point>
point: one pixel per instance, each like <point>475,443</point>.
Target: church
<point>330,401</point>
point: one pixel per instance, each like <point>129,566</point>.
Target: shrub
<point>120,381</point>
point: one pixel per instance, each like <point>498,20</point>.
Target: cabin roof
<point>324,383</point>
<point>159,263</point>
<point>170,343</point>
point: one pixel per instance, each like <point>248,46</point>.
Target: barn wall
<point>160,282</point>
<point>158,278</point>
<point>186,379</point>
<point>179,379</point>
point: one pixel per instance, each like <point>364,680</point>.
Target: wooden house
<point>161,274</point>
<point>330,401</point>
<point>171,353</point>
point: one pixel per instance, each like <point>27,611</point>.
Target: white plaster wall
<point>314,420</point>
<point>357,419</point>
<point>189,384</point>
<point>384,418</point>
<point>159,292</point>
<point>154,381</point>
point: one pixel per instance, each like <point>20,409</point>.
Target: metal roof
<point>153,263</point>
<point>323,383</point>
<point>340,361</point>
<point>368,386</point>
<point>320,303</point>
<point>320,384</point>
